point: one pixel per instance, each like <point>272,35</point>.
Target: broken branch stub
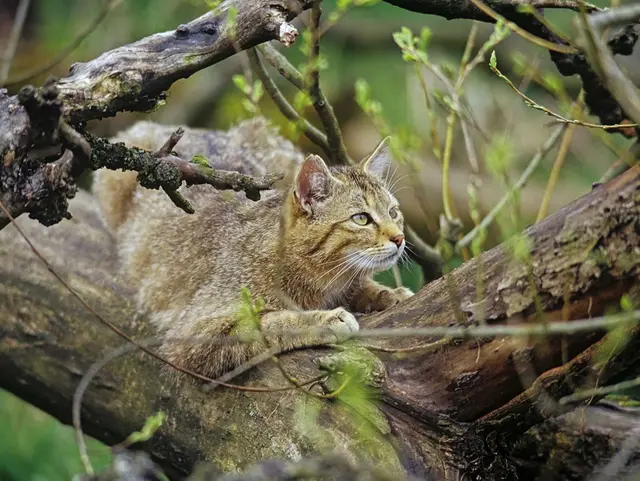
<point>135,76</point>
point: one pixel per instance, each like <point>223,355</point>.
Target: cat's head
<point>348,213</point>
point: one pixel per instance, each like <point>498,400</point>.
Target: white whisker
<point>350,259</point>
<point>388,179</point>
<point>352,262</point>
<point>402,177</point>
<point>402,187</point>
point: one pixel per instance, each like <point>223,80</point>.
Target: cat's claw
<point>342,323</point>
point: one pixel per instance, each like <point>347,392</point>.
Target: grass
<point>36,447</point>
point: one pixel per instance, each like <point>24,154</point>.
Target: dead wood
<point>456,407</point>
<point>466,407</point>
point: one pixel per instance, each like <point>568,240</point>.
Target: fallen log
<point>450,407</point>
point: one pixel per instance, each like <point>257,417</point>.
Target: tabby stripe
<point>324,238</point>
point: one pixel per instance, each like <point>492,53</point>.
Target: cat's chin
<point>389,262</point>
<point>379,265</point>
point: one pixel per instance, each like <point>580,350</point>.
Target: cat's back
<point>167,253</point>
<point>170,255</point>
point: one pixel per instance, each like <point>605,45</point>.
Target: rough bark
<point>457,408</point>
<point>133,77</point>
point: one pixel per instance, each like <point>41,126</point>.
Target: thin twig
<point>561,156</point>
<point>555,171</point>
<point>313,134</point>
<point>427,252</point>
<point>540,17</point>
<point>600,391</point>
<point>78,145</point>
<point>320,102</point>
<point>566,4</point>
<point>627,159</point>
<point>112,326</point>
<point>282,65</point>
<point>65,52</point>
<point>433,127</point>
<point>447,200</point>
<point>533,164</point>
<point>541,42</point>
<point>533,104</point>
<point>546,329</point>
<point>14,39</point>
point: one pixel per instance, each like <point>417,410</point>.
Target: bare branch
<point>166,170</point>
<point>614,79</point>
<point>313,134</point>
<point>466,9</point>
<point>533,164</point>
<point>320,103</point>
<point>134,77</point>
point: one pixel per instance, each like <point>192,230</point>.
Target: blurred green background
<point>33,446</point>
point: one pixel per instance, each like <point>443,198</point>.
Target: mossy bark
<point>459,408</point>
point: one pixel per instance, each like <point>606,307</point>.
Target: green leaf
<point>249,106</point>
<point>213,4</point>
<point>519,63</point>
<point>363,92</point>
<point>258,91</point>
<point>493,62</point>
<point>553,83</point>
<point>626,303</point>
<point>525,8</point>
<point>241,83</point>
<point>200,160</point>
<point>151,425</point>
<point>499,154</point>
<point>425,37</point>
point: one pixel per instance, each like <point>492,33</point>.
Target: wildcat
<point>309,252</point>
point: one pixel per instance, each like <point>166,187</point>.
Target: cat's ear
<point>378,161</point>
<point>313,182</point>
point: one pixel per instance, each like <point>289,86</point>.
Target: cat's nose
<point>397,240</point>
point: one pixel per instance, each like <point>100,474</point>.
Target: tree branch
<point>441,401</point>
<point>313,134</point>
<point>135,76</point>
<point>132,77</point>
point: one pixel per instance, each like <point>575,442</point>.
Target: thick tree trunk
<point>449,408</point>
<point>471,406</point>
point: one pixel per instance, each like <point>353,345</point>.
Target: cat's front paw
<point>390,297</point>
<point>340,322</point>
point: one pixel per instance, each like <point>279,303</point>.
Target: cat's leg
<point>371,296</point>
<point>209,352</point>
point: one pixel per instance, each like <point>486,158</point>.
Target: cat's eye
<point>393,212</point>
<point>361,218</point>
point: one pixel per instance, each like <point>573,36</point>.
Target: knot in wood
<point>209,28</point>
<point>182,31</point>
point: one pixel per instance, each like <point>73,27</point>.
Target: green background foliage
<point>36,447</point>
